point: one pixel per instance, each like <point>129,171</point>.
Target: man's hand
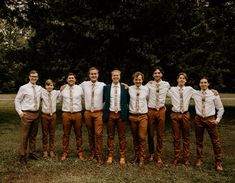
<point>216,93</point>
<point>125,85</point>
<point>21,115</point>
<point>150,82</point>
<point>62,88</point>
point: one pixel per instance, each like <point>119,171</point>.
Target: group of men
<point>114,104</point>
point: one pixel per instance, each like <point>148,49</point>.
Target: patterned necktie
<point>203,104</point>
<point>50,103</point>
<point>71,99</point>
<point>137,102</point>
<point>35,98</point>
<point>181,100</point>
<point>115,98</point>
<point>92,97</point>
<point>157,96</point>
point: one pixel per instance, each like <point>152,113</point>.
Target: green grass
<point>74,170</point>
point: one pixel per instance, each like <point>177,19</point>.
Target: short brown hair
<point>93,68</point>
<point>184,74</point>
<point>116,70</point>
<point>49,82</point>
<point>71,74</point>
<point>33,72</point>
<point>136,74</point>
<point>160,69</point>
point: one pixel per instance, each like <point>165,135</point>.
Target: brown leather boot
<point>122,161</point>
<point>80,156</point>
<point>151,158</point>
<point>109,160</point>
<point>198,162</point>
<point>219,167</point>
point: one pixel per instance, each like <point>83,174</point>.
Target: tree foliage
<point>194,36</point>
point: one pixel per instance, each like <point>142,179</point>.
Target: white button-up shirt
<point>98,94</point>
<point>212,102</point>
<point>112,97</point>
<point>143,97</point>
<point>163,89</point>
<point>25,98</point>
<point>77,93</point>
<point>174,95</point>
<point>45,100</point>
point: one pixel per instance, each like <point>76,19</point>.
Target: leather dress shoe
<point>122,161</point>
<point>22,160</point>
<point>52,154</point>
<point>45,154</point>
<point>151,158</point>
<point>186,163</point>
<point>159,162</point>
<point>198,162</point>
<point>219,167</point>
<point>100,160</point>
<point>81,157</point>
<point>33,156</point>
<point>109,160</point>
<point>91,156</point>
<point>64,157</point>
<point>175,161</point>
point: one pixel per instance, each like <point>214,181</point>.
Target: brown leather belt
<point>138,114</point>
<point>95,110</point>
<point>156,109</point>
<point>48,114</point>
<point>72,112</point>
<point>29,111</point>
<point>206,117</point>
<point>180,112</point>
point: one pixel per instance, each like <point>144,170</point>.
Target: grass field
<point>74,170</point>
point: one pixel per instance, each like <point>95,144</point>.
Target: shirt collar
<point>158,82</point>
<point>70,86</point>
<point>138,87</point>
<point>115,85</point>
<point>32,84</point>
<point>180,87</point>
<point>206,91</point>
<point>91,83</point>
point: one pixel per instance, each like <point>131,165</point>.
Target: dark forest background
<point>59,36</point>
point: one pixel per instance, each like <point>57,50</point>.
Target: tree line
<point>58,36</point>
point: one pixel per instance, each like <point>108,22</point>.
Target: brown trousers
<point>156,120</point>
<point>69,120</point>
<point>139,124</point>
<point>115,120</point>
<point>200,125</point>
<point>94,124</point>
<point>28,132</point>
<point>48,131</point>
<point>180,122</point>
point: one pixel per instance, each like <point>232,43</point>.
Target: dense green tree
<point>194,36</point>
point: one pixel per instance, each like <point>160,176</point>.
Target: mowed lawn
<point>74,170</point>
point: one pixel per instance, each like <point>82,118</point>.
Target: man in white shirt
<point>180,118</point>
<point>93,92</point>
<point>138,117</point>
<point>27,103</point>
<point>156,113</point>
<point>206,104</point>
<point>71,115</point>
<point>116,114</point>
